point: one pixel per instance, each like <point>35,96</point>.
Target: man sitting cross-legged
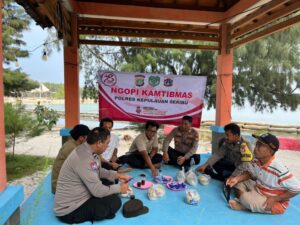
<point>186,140</point>
<point>272,185</point>
<point>232,156</point>
<point>80,194</point>
<point>143,150</point>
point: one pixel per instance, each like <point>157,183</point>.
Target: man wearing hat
<point>78,136</point>
<point>268,185</point>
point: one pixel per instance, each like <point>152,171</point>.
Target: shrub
<point>45,116</point>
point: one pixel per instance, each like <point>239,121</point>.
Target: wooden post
<point>223,87</point>
<point>224,80</point>
<point>3,179</point>
<point>71,76</point>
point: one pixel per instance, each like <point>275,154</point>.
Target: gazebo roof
<point>198,20</point>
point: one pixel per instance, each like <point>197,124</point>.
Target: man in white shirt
<point>109,156</point>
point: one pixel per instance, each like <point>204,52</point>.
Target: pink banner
<point>139,97</point>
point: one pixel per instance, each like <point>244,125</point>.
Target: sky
<point>51,70</point>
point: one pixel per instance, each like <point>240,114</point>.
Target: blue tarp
<point>171,209</point>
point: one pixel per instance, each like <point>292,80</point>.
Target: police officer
<point>81,194</point>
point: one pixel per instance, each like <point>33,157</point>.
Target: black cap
<point>134,207</point>
<point>268,139</point>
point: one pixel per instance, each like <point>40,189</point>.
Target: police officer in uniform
<point>81,195</point>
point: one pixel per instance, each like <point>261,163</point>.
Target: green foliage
<point>266,72</point>
<point>57,89</point>
<point>16,82</point>
<point>45,116</point>
<point>14,22</point>
<point>35,129</point>
<point>16,122</point>
<point>22,165</point>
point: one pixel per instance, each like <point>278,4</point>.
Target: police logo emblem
<point>139,80</point>
<point>168,82</point>
<point>154,80</point>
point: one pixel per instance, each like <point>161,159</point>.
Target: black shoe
<point>226,192</point>
<point>186,168</point>
<point>209,171</point>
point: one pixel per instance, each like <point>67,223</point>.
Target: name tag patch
<point>94,166</point>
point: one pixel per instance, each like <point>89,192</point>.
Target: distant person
<point>233,152</point>
<point>267,186</point>
<point>109,156</point>
<point>78,136</point>
<point>186,141</point>
<point>80,194</point>
<point>143,150</point>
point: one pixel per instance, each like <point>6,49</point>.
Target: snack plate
<point>165,179</point>
<point>147,185</point>
<point>176,186</point>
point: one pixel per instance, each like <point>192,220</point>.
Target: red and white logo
<point>108,79</point>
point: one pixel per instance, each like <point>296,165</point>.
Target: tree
<point>266,72</point>
<point>16,82</point>
<point>57,90</point>
<point>14,22</point>
<point>16,122</point>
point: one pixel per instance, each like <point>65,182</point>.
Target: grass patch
<point>25,165</point>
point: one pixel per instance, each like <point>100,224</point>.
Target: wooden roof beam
<point>138,33</point>
<point>267,31</point>
<point>148,45</point>
<point>239,8</point>
<point>50,10</point>
<point>146,25</point>
<point>272,17</point>
<point>263,10</point>
<point>173,4</point>
<point>139,13</point>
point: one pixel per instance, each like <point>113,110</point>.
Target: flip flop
<point>226,192</point>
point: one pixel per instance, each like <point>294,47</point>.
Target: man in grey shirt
<point>231,158</point>
<point>80,194</point>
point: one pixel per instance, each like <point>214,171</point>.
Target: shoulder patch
<point>94,166</point>
<point>246,153</point>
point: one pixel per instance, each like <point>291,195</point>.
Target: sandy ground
<point>49,143</point>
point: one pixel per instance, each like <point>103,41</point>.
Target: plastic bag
<point>156,191</point>
<point>204,179</point>
<point>192,196</point>
<point>128,193</point>
<point>191,178</point>
<point>180,175</point>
